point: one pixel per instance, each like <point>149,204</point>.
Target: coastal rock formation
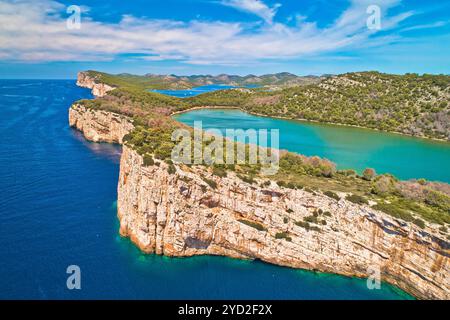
<point>180,214</point>
<point>98,89</point>
<point>98,125</point>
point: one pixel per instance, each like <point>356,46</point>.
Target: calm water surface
<point>57,208</point>
<point>350,148</point>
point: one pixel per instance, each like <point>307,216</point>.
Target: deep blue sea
<point>57,208</point>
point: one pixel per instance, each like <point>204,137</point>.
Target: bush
<point>210,182</point>
<point>357,199</point>
<point>369,174</point>
<point>419,222</point>
<point>306,226</point>
<point>422,181</point>
<point>384,185</point>
<point>333,195</point>
<point>283,235</point>
<point>394,211</point>
<point>247,179</point>
<point>220,172</point>
<point>171,169</point>
<point>285,220</point>
<point>310,219</point>
<point>148,160</point>
<point>253,224</point>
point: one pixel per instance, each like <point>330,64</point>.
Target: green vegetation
<point>210,182</point>
<point>148,160</point>
<point>357,199</point>
<point>219,171</point>
<point>333,195</point>
<point>253,224</point>
<point>307,226</point>
<point>283,235</point>
<point>171,169</point>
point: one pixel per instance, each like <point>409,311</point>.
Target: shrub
<point>309,190</point>
<point>384,185</point>
<point>148,160</point>
<point>220,172</point>
<point>285,220</point>
<point>357,199</point>
<point>422,181</point>
<point>283,235</point>
<point>394,211</point>
<point>310,219</point>
<point>306,226</point>
<point>333,195</point>
<point>253,224</point>
<point>369,174</point>
<point>171,169</point>
<point>247,179</point>
<point>419,222</point>
<point>210,182</point>
<point>327,213</point>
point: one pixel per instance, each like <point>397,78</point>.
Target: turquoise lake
<point>58,208</point>
<point>198,90</point>
<point>348,147</point>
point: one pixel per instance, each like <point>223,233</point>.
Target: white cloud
<point>437,24</point>
<point>28,34</point>
<point>256,7</point>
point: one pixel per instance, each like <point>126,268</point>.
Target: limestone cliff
<point>98,125</point>
<point>181,215</point>
<point>98,89</point>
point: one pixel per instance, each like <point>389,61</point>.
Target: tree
<point>369,174</point>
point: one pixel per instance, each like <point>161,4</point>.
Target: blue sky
<point>223,36</point>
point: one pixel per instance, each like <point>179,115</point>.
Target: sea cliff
<point>98,89</point>
<point>179,214</point>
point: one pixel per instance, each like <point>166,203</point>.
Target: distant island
<point>309,215</point>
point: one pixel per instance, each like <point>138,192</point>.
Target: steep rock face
<point>180,215</point>
<point>98,125</point>
<point>98,89</point>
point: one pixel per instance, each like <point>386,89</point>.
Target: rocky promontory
<point>98,89</point>
<point>180,214</point>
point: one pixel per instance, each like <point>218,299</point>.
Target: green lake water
<point>350,148</point>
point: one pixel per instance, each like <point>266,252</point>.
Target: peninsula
<point>309,215</point>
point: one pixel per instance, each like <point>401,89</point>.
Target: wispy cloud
<point>256,7</point>
<point>427,26</point>
<point>27,34</point>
